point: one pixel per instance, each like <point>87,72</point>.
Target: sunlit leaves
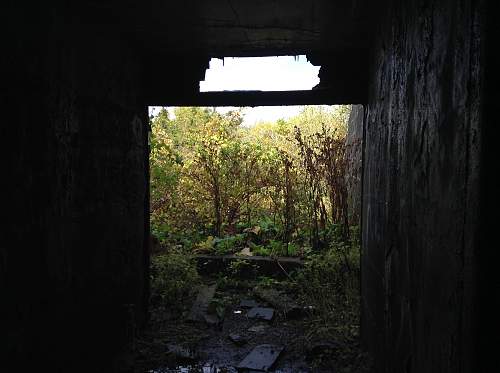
<point>212,177</point>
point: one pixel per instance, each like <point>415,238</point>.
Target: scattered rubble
<point>229,331</point>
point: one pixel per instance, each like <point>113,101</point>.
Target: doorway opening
<point>255,250</point>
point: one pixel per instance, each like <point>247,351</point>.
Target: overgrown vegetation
<point>276,188</point>
<point>329,283</point>
<point>173,277</point>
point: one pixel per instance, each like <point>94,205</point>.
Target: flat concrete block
<point>261,358</point>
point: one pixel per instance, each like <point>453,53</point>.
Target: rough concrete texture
<point>76,136</point>
<point>354,150</point>
<point>420,188</point>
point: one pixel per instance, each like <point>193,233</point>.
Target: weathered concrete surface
<point>420,188</point>
<point>354,149</point>
<point>74,250</point>
<point>73,272</point>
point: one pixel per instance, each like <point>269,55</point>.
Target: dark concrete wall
<point>488,255</point>
<point>354,150</point>
<point>75,130</point>
<point>420,188</point>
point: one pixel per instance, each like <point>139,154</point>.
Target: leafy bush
<point>173,276</point>
<point>292,249</point>
<point>238,267</point>
<point>267,282</point>
<point>259,249</point>
<point>277,248</point>
<point>267,226</point>
<point>281,184</point>
<point>229,244</point>
<point>206,245</point>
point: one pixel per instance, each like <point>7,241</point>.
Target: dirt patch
<point>173,344</point>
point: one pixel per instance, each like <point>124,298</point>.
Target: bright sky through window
<point>284,73</point>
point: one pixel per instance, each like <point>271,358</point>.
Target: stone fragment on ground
<point>261,313</point>
<point>237,339</point>
<point>261,358</point>
<point>201,303</point>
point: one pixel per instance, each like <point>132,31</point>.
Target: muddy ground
<point>174,343</point>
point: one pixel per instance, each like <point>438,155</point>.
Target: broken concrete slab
<point>261,313</point>
<point>281,301</point>
<point>261,358</point>
<point>201,303</point>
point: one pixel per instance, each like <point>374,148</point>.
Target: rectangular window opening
<point>280,73</point>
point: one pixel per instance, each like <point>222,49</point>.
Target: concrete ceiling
<point>242,27</point>
<point>179,37</point>
<point>259,27</point>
